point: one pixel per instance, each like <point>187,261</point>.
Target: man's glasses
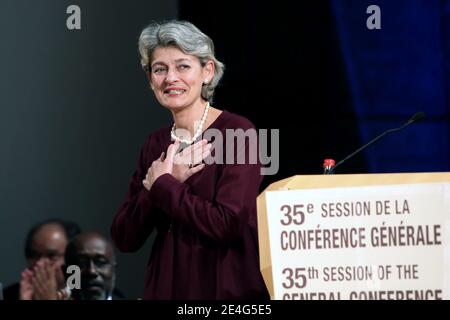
<point>100,263</point>
<point>52,256</point>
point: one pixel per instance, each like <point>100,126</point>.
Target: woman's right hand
<point>161,166</point>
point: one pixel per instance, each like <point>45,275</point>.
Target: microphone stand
<point>414,118</point>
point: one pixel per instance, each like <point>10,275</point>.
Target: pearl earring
<point>206,81</point>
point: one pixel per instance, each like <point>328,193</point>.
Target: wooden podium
<point>359,236</point>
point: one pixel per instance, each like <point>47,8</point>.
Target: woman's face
<point>177,78</point>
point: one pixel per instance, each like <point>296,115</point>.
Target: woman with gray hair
<point>204,211</point>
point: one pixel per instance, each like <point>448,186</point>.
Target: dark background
<point>75,107</point>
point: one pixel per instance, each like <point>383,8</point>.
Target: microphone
<point>416,117</point>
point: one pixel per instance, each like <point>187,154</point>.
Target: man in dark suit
<point>94,255</point>
<point>45,247</point>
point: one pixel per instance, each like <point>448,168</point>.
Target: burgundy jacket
<point>206,245</point>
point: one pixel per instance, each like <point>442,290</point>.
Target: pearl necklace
<point>198,132</point>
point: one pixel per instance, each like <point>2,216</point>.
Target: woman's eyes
<point>162,70</point>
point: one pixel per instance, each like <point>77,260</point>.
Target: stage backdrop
<point>330,84</point>
<point>393,73</point>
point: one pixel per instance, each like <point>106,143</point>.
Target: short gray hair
<point>186,37</point>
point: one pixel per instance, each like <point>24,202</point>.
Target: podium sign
<point>375,236</point>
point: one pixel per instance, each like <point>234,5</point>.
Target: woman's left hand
<point>161,166</point>
<point>189,161</point>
